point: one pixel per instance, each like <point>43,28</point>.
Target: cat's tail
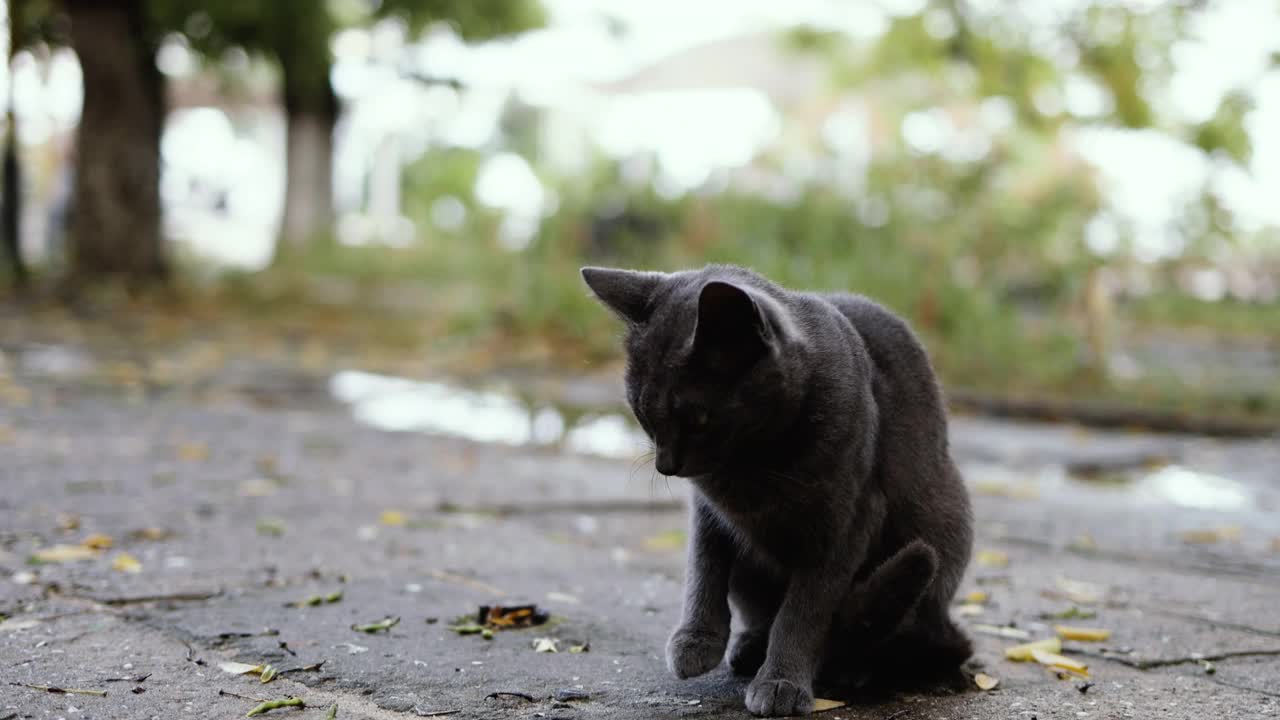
<point>891,631</point>
<point>879,606</point>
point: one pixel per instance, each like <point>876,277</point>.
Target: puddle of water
<point>55,361</point>
<point>1189,488</point>
<point>1170,485</point>
<point>403,405</point>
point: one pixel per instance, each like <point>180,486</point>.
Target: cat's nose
<point>666,461</point>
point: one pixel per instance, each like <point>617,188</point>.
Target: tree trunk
<point>115,233</point>
<point>311,114</point>
<point>11,199</point>
<point>11,206</point>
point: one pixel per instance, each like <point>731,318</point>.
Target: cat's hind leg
<point>754,594</point>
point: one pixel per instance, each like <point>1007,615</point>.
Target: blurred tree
<point>115,230</point>
<point>10,201</point>
<point>296,34</point>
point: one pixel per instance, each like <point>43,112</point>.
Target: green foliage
<point>1225,132</point>
<point>296,33</point>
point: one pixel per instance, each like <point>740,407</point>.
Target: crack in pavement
<point>1153,663</point>
<point>1261,574</point>
<point>1208,620</point>
<point>1248,688</point>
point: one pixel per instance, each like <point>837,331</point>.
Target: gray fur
<point>827,511</point>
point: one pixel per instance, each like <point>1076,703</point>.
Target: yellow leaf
<point>985,681</point>
<point>126,563</point>
<point>392,518</point>
<point>1084,593</point>
<point>1023,653</point>
<point>64,553</point>
<point>1069,632</point>
<point>257,487</point>
<point>151,533</point>
<point>193,452</point>
<point>667,541</point>
<point>1002,631</point>
<point>993,558</point>
<point>823,705</point>
<point>969,609</point>
<point>97,541</point>
<point>1227,533</point>
<point>1054,660</point>
<point>976,597</point>
<point>546,645</point>
<point>239,668</point>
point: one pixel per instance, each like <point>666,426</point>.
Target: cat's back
<point>892,343</point>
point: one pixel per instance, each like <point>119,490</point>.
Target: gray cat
<point>826,508</point>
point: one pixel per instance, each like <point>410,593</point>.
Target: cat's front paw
<point>692,652</point>
<point>778,697</point>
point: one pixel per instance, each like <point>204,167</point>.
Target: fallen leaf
<point>546,645</point>
<point>380,626</point>
<point>1071,613</point>
<point>1085,593</point>
<point>1083,634</point>
<point>985,681</point>
<point>1012,633</point>
<point>63,553</point>
<point>977,597</point>
<point>666,541</point>
<point>1051,658</point>
<point>584,647</point>
<point>14,624</point>
<point>1226,533</point>
<point>969,609</point>
<point>392,518</point>
<point>258,487</point>
<point>193,452</point>
<point>993,558</point>
<point>562,597</point>
<point>823,705</point>
<point>97,541</point>
<point>1023,653</point>
<point>269,673</point>
<point>1209,667</point>
<point>333,712</point>
<point>1083,543</point>
<point>152,534</point>
<point>126,563</point>
<point>511,616</point>
<point>271,527</point>
<point>275,705</point>
<point>239,668</point>
<point>1020,491</point>
<point>314,600</point>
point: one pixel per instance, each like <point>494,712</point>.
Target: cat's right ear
<point>626,292</point>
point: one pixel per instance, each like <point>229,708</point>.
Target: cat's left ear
<point>626,292</point>
<point>733,329</point>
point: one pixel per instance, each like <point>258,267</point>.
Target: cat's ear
<point>732,329</point>
<point>625,292</point>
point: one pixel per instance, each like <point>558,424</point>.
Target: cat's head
<point>711,361</point>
